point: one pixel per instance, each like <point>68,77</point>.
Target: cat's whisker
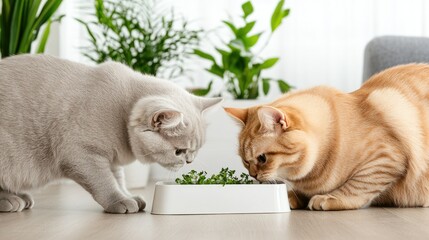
<point>169,177</point>
<point>268,179</point>
<point>272,181</point>
<point>288,185</point>
<point>158,152</point>
<point>203,165</point>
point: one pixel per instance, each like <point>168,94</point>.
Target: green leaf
<point>225,57</point>
<point>278,14</point>
<point>247,9</point>
<point>266,85</point>
<point>203,91</point>
<point>88,29</point>
<point>284,87</point>
<point>47,12</point>
<point>231,26</point>
<point>204,55</point>
<point>1,20</point>
<point>216,70</point>
<point>34,23</point>
<point>16,26</point>
<point>235,64</point>
<point>222,52</point>
<point>27,35</point>
<point>269,63</point>
<point>5,33</point>
<point>241,32</point>
<point>286,12</point>
<point>46,32</point>
<point>58,18</point>
<point>44,39</point>
<point>251,41</point>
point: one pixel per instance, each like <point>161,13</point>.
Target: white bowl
<point>172,198</point>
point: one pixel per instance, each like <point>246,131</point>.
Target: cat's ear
<point>157,114</point>
<point>207,103</point>
<point>167,119</point>
<point>269,117</point>
<point>239,114</point>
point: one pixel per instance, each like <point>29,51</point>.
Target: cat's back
<point>398,97</point>
<point>36,81</point>
<point>38,69</point>
<point>40,94</point>
<point>410,81</point>
<point>401,96</point>
<point>35,77</point>
<point>39,75</point>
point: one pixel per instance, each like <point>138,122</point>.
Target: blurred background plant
<point>241,66</point>
<point>141,34</point>
<point>20,24</point>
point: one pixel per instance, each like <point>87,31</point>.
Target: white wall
<point>321,42</point>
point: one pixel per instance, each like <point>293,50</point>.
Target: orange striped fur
<point>345,150</point>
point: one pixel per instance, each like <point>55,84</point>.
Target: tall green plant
<point>20,24</point>
<point>140,35</point>
<point>240,67</point>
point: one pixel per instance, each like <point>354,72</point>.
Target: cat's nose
<point>253,172</point>
<point>189,158</point>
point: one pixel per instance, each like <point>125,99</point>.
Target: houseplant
<point>238,64</point>
<point>241,67</point>
<point>145,37</point>
<point>21,22</point>
<point>141,35</point>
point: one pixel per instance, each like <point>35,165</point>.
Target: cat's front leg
<point>358,191</point>
<point>93,173</point>
<point>119,174</point>
<point>297,200</point>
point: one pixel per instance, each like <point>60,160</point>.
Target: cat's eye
<point>180,152</point>
<point>262,159</point>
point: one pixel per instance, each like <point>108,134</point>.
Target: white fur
<point>64,119</point>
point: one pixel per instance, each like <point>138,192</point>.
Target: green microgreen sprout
<point>225,176</point>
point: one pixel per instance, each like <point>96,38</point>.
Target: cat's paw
<point>141,203</point>
<point>123,206</point>
<point>29,202</point>
<point>325,202</point>
<point>12,203</point>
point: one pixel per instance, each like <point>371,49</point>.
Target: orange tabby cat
<point>345,150</point>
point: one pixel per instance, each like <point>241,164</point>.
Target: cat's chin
<point>270,179</point>
<point>172,166</point>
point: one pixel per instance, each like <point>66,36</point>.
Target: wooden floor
<point>68,212</point>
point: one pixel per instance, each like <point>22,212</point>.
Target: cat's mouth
<point>266,179</point>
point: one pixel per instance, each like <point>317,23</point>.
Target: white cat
<point>61,119</point>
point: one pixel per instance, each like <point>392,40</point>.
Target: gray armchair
<point>388,51</point>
